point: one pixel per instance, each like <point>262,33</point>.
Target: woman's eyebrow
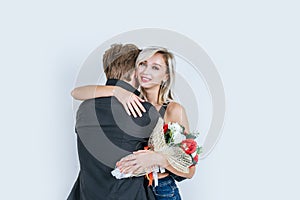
<point>157,64</point>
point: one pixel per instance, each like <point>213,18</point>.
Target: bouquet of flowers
<point>179,147</point>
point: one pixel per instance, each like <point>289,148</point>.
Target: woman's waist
<point>162,175</point>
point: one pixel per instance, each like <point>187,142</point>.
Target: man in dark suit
<point>106,133</point>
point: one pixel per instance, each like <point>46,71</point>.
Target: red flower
<point>165,128</point>
<point>189,146</point>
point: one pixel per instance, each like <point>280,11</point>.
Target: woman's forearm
<point>162,161</point>
<point>92,91</point>
<point>189,175</point>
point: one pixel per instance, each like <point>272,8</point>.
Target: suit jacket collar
<point>123,85</point>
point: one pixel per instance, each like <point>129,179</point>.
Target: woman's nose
<point>146,69</point>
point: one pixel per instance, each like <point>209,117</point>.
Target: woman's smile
<point>145,79</point>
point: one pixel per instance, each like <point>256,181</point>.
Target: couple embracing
<point>117,119</point>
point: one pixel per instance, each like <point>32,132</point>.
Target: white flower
<point>175,127</point>
<point>178,137</point>
<point>177,132</point>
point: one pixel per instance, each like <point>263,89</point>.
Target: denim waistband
<point>168,180</point>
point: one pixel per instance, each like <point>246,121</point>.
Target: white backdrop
<point>254,44</point>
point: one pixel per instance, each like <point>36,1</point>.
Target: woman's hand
<point>130,101</point>
<point>141,160</point>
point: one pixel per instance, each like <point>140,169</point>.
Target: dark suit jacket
<point>105,133</point>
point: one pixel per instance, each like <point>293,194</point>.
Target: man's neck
<point>132,83</point>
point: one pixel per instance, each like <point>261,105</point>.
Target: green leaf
<point>199,150</point>
<point>190,136</point>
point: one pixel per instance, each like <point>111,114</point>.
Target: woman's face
<point>152,72</point>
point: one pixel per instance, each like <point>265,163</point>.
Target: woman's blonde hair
<point>165,94</point>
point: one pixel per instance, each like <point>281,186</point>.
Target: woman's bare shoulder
<point>173,105</point>
<point>174,109</point>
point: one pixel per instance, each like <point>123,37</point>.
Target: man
<point>106,133</point>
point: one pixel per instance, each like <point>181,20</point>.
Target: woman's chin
<point>149,86</point>
<point>145,86</point>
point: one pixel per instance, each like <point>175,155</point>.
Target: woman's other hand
<point>131,102</point>
<point>141,160</point>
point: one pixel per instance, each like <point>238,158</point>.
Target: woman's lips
<point>145,79</point>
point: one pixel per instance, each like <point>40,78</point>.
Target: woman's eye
<point>155,67</point>
<point>142,65</point>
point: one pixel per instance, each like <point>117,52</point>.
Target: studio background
<point>254,45</point>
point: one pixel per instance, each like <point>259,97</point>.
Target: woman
<point>155,74</point>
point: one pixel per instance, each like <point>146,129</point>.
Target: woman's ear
<point>166,78</point>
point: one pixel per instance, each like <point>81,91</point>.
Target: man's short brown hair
<point>119,61</point>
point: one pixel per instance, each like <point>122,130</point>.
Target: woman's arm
<point>145,159</point>
<point>131,102</point>
<point>92,91</point>
<point>189,175</point>
<point>176,113</point>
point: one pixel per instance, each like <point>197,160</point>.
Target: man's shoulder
<point>95,104</point>
<point>147,105</point>
<point>96,100</point>
<point>151,113</point>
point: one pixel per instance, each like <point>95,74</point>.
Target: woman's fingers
<point>140,151</point>
<point>138,103</point>
<point>136,108</point>
<point>130,169</point>
<point>128,163</point>
<point>131,103</point>
<point>128,166</point>
<point>126,109</point>
<point>131,109</point>
<point>142,160</point>
<point>128,158</point>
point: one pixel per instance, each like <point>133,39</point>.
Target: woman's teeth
<point>144,79</point>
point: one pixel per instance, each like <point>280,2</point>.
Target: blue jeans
<point>166,189</point>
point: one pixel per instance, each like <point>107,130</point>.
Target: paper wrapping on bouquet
<point>175,155</point>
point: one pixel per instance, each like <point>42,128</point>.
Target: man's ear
<point>135,74</point>
<point>134,80</point>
